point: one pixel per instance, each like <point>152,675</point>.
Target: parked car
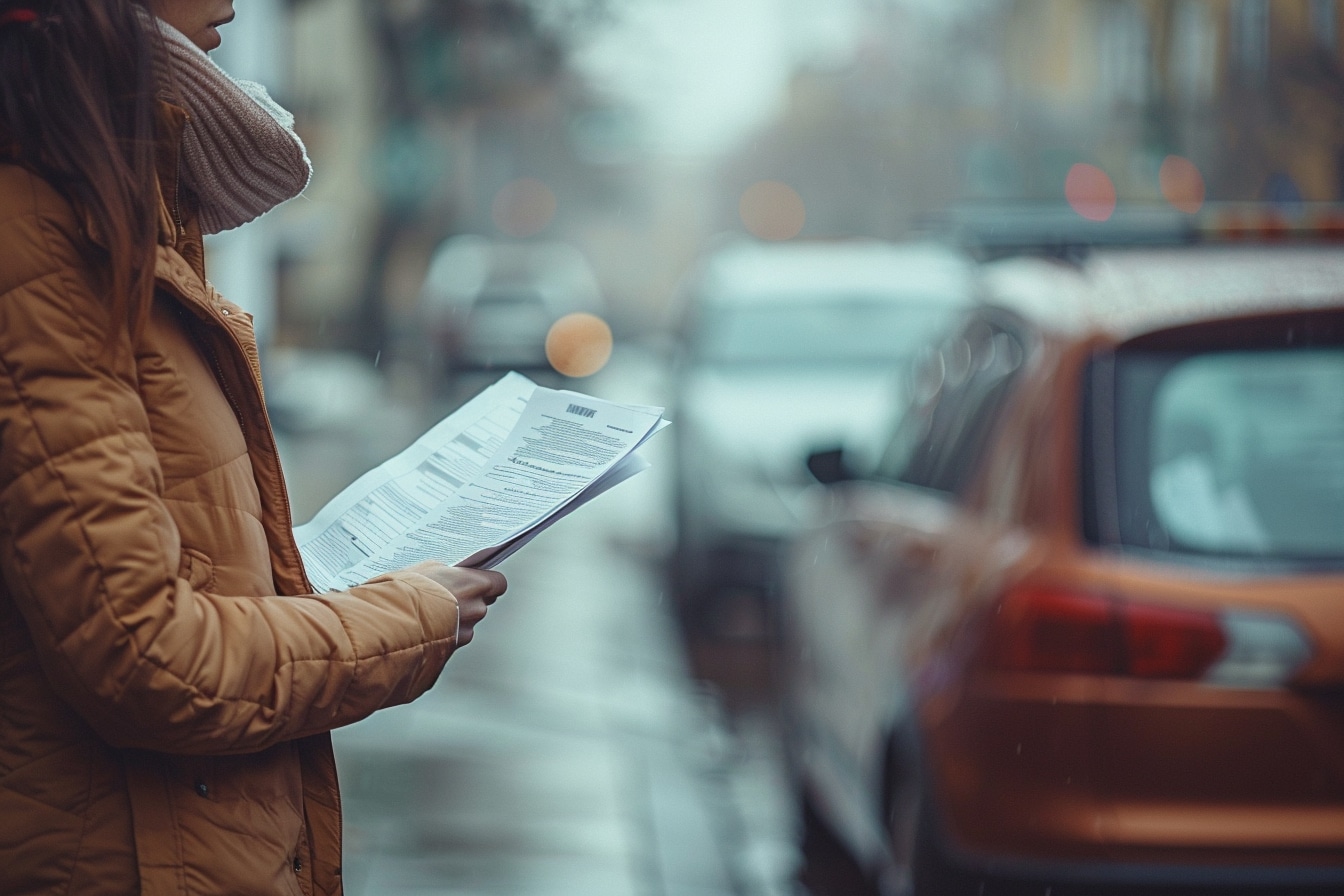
<point>1081,627</point>
<point>784,347</point>
<point>488,304</point>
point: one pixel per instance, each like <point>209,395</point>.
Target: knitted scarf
<point>239,152</point>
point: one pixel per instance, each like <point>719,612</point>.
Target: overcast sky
<point>702,74</point>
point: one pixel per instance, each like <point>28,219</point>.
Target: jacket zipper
<point>177,195</point>
<point>228,393</point>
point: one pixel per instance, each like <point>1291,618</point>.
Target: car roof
<point>749,272</point>
<point>1125,292</point>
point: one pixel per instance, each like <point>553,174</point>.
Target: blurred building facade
<point>999,103</point>
<point>431,118</point>
<point>1250,90</point>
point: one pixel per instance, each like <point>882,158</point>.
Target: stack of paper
<point>479,485</point>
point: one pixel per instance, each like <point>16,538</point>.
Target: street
<point>566,749</point>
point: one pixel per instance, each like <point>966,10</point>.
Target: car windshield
<point>857,330</point>
<point>1234,453</point>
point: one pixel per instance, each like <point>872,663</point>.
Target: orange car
<point>1082,629</point>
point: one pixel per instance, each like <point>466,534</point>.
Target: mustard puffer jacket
<point>167,680</point>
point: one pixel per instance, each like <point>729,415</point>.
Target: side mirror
<point>828,467</point>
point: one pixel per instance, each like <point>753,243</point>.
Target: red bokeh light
<point>1090,192</point>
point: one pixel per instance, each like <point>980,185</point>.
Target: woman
<point>167,680</point>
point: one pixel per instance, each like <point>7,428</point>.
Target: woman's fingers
<point>474,589</point>
<point>463,582</point>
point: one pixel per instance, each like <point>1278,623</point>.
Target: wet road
<point>566,749</point>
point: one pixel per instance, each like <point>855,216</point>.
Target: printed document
<point>479,484</point>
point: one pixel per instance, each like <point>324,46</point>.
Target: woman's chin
<point>208,38</point>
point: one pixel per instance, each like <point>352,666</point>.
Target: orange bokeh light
<point>579,344</point>
<point>523,207</point>
<point>772,210</point>
<point>1182,184</point>
<point>1090,192</point>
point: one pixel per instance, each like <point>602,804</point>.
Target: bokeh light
<point>579,344</point>
<point>1090,192</point>
<point>771,210</point>
<point>1182,184</point>
<point>524,207</point>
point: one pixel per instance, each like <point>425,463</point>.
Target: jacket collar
<point>170,122</point>
<point>179,264</point>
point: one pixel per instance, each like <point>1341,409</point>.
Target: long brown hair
<point>77,94</point>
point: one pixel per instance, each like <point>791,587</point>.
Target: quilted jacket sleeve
<point>91,556</point>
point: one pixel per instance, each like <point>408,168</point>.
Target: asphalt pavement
<point>566,750</point>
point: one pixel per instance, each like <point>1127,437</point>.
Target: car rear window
<point>1223,454</point>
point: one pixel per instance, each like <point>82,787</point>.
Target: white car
<point>785,348</point>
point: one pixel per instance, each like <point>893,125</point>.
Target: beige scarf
<point>239,152</point>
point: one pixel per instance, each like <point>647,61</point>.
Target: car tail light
<point>1043,628</point>
<point>1162,642</point>
<point>1047,630</point>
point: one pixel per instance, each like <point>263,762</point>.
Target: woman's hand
<point>475,590</point>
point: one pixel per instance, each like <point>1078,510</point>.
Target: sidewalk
<point>566,750</point>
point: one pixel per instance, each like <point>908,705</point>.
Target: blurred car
<point>1081,628</point>
<point>488,304</point>
<point>785,347</point>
